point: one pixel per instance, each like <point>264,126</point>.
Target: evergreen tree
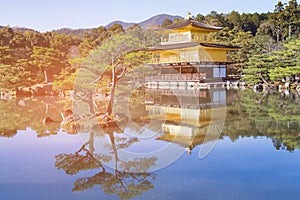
<point>286,63</point>
<point>166,22</point>
<point>258,67</point>
<point>47,60</point>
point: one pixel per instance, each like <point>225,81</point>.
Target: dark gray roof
<point>219,46</point>
<point>194,23</point>
<point>191,44</point>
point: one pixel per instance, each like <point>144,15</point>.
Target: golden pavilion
<point>188,58</point>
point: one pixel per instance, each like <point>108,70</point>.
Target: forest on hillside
<point>270,41</point>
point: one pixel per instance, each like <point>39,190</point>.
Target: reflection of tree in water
<point>129,184</point>
<point>83,159</point>
<point>11,118</point>
<point>73,163</point>
<point>275,115</point>
<point>23,113</point>
<point>125,185</point>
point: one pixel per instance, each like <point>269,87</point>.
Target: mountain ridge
<point>154,21</point>
<point>151,22</point>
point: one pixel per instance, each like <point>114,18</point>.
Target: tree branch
<point>97,79</point>
<point>84,99</point>
<point>122,73</point>
<point>93,71</point>
<point>262,78</point>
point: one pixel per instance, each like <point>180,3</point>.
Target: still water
<point>250,152</point>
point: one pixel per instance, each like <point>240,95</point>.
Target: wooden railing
<point>181,60</point>
<point>175,60</point>
<point>179,92</point>
<point>177,77</point>
<point>194,38</point>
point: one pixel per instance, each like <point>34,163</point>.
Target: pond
<point>210,144</point>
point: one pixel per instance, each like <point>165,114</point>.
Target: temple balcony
<point>177,77</point>
<point>184,60</point>
<point>185,38</point>
<point>165,41</point>
<point>172,60</point>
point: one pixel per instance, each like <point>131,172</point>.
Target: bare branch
<point>122,73</point>
<point>97,79</point>
<point>93,71</point>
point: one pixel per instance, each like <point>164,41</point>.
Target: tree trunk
<point>91,102</point>
<point>92,143</point>
<point>46,76</point>
<point>263,79</point>
<point>88,99</point>
<point>112,93</point>
<point>47,108</point>
<point>277,36</point>
<point>114,148</point>
<point>263,97</point>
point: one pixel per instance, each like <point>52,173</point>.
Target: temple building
<point>189,117</point>
<point>187,57</point>
<point>185,91</point>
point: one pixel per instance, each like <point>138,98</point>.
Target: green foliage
<point>47,60</point>
<point>275,116</point>
<point>25,55</point>
<point>258,67</point>
<point>166,22</point>
<point>199,17</point>
<point>6,55</point>
<point>65,80</point>
<point>285,20</point>
<point>285,63</point>
<point>235,37</point>
<point>266,65</point>
<point>116,57</point>
<point>73,163</point>
<point>93,39</point>
<point>147,38</point>
<point>6,35</point>
<point>259,34</point>
<point>13,76</point>
<point>19,114</point>
<point>256,33</point>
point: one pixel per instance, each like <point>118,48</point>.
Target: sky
<point>47,15</point>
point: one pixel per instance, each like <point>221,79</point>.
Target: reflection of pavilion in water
<point>190,117</point>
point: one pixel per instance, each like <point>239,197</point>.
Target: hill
<point>157,20</point>
<point>73,32</point>
<point>124,24</point>
<point>151,22</point>
<point>154,21</point>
